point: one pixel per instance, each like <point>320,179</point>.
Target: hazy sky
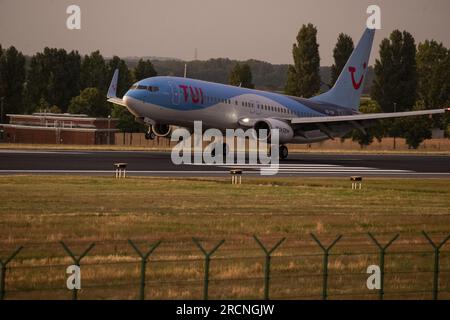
<point>237,29</point>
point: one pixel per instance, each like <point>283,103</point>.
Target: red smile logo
<point>352,71</point>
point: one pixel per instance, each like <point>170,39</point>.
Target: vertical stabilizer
<point>348,88</point>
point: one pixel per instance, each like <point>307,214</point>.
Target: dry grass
<point>39,211</point>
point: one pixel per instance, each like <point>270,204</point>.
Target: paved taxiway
<point>147,163</point>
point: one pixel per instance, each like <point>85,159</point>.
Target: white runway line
<point>313,168</point>
<point>110,171</point>
<point>221,172</point>
<point>41,152</point>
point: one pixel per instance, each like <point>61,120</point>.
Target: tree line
<point>406,77</point>
<point>55,80</point>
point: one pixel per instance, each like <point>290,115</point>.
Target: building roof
<point>61,121</point>
<point>61,116</point>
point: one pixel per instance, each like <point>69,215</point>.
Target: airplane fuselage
<point>181,101</point>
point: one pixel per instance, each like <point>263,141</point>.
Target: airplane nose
<point>135,94</point>
<point>126,99</point>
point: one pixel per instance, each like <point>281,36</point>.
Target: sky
<point>235,29</point>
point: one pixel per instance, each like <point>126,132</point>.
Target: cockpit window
<point>141,87</point>
<point>152,88</point>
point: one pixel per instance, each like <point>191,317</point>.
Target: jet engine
<point>162,130</point>
<point>286,133</point>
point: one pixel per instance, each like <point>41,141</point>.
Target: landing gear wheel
<point>284,152</point>
<point>150,135</point>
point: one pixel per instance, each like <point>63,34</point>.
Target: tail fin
<point>348,88</point>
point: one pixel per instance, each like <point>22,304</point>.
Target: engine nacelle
<point>286,133</point>
<point>162,130</point>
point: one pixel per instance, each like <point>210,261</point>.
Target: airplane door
<point>252,107</point>
<point>174,93</point>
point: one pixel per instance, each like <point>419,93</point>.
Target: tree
<point>1,83</point>
<point>395,73</point>
<point>241,75</point>
<point>12,78</point>
<point>303,77</point>
<point>44,106</point>
<point>416,129</point>
<point>53,75</point>
<point>342,51</point>
<point>94,72</point>
<point>447,123</point>
<point>144,69</point>
<point>433,69</point>
<point>126,122</point>
<point>91,101</point>
<point>376,131</point>
<point>125,80</point>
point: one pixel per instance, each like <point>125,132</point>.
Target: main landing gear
<point>150,135</point>
<point>284,152</point>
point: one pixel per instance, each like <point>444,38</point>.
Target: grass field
<point>39,211</point>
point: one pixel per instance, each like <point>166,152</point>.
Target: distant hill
<point>266,76</point>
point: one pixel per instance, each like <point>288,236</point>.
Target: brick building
<point>56,128</point>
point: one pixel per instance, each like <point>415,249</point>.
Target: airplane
<point>165,102</point>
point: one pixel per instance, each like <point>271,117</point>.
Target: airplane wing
<point>363,117</point>
<point>118,101</point>
<point>358,121</point>
<point>366,116</point>
<point>112,90</point>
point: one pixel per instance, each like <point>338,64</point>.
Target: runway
<point>148,163</point>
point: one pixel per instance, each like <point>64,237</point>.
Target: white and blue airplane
<point>163,103</point>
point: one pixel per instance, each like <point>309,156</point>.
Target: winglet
<point>112,91</point>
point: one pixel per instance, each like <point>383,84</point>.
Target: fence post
<point>437,252</point>
<point>144,259</point>
<point>381,262</point>
<point>326,252</point>
<point>267,254</point>
<point>3,265</point>
<point>207,262</point>
<point>76,261</point>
